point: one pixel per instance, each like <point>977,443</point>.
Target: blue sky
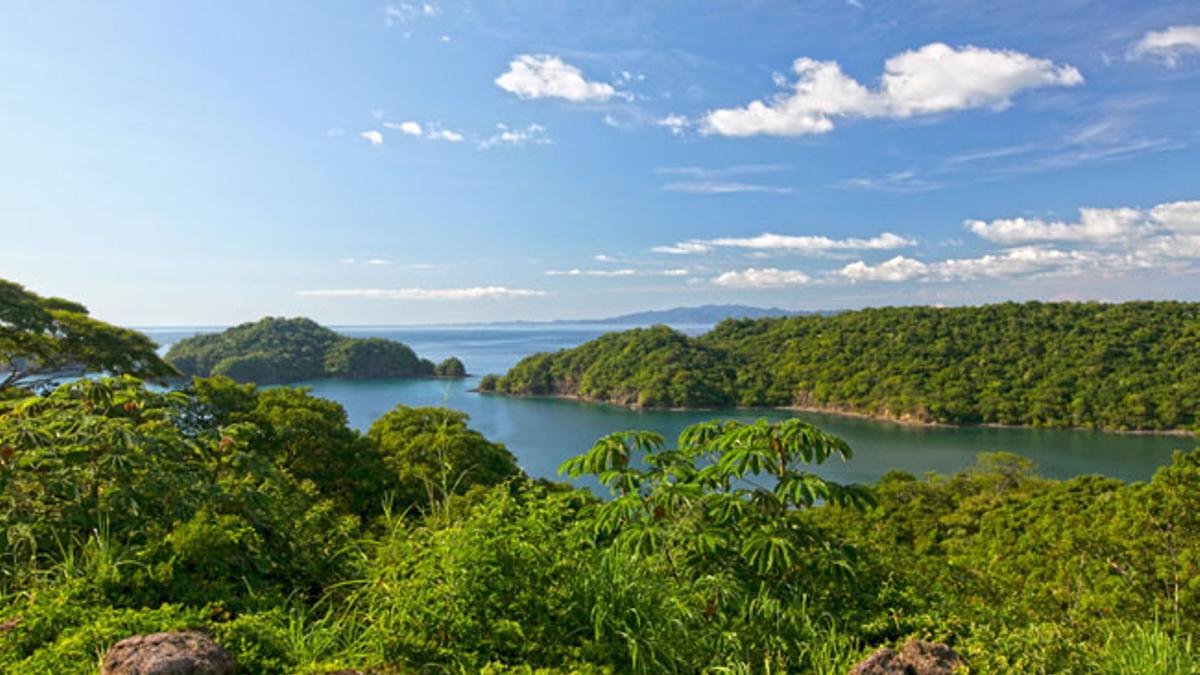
<point>409,161</point>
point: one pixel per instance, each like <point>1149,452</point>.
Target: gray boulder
<point>185,653</point>
<point>916,657</point>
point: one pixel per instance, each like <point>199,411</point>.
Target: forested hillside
<point>274,350</point>
<point>1128,366</point>
<point>302,545</point>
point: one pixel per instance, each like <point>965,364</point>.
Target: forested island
<point>276,351</point>
<point>1129,366</point>
<point>300,545</point>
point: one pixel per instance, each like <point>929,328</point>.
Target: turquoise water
<point>544,432</point>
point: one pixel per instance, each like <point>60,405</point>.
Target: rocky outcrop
<point>916,657</point>
<point>185,653</point>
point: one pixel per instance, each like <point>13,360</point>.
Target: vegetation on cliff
<point>302,545</point>
<point>1091,365</point>
<point>275,350</point>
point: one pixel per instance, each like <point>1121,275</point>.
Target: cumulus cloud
<point>625,272</point>
<point>683,248</point>
<point>473,293</point>
<point>1022,261</point>
<point>433,132</point>
<point>676,124</point>
<point>445,135</point>
<point>765,277</point>
<point>373,136</point>
<point>899,268</point>
<point>534,134</point>
<point>810,245</point>
<point>576,272</point>
<point>1169,46</point>
<point>548,76</point>
<point>932,79</point>
<point>379,261</point>
<point>1160,228</point>
<point>410,128</point>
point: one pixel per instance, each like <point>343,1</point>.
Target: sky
<point>406,161</point>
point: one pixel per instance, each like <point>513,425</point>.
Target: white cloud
<point>576,272</point>
<point>714,187</point>
<point>534,134</point>
<point>600,257</point>
<point>373,136</point>
<point>1181,217</point>
<point>1101,226</point>
<point>379,261</point>
<point>1138,229</point>
<point>899,181</point>
<point>765,277</point>
<point>676,124</point>
<point>683,248</point>
<point>935,78</point>
<point>395,13</point>
<point>473,293</point>
<point>1169,45</point>
<point>547,76</point>
<point>626,272</point>
<point>717,180</point>
<point>445,135</point>
<point>1024,261</point>
<point>899,268</point>
<point>1143,236</point>
<point>810,245</point>
<point>410,128</point>
<point>734,170</point>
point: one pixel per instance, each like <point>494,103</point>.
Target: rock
<point>916,657</point>
<point>185,653</point>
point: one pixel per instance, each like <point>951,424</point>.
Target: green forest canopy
<point>276,350</point>
<point>1091,365</point>
<point>305,546</point>
<point>43,340</point>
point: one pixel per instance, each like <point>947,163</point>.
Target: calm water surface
<point>542,433</point>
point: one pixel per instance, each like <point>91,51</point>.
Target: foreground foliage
<point>45,339</point>
<point>1091,365</point>
<point>274,350</point>
<point>305,546</point>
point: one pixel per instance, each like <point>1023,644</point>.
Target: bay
<point>542,433</point>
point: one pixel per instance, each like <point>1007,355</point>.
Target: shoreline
<point>843,412</point>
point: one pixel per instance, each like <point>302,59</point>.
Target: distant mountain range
<point>704,314</point>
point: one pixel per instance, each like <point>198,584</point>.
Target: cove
<point>543,432</point>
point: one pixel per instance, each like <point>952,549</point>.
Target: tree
<point>45,339</point>
<point>451,367</point>
<point>434,454</point>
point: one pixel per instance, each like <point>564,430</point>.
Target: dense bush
<point>451,367</point>
<point>1092,365</point>
<point>274,350</point>
<point>304,546</point>
<point>370,357</point>
<point>643,366</point>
